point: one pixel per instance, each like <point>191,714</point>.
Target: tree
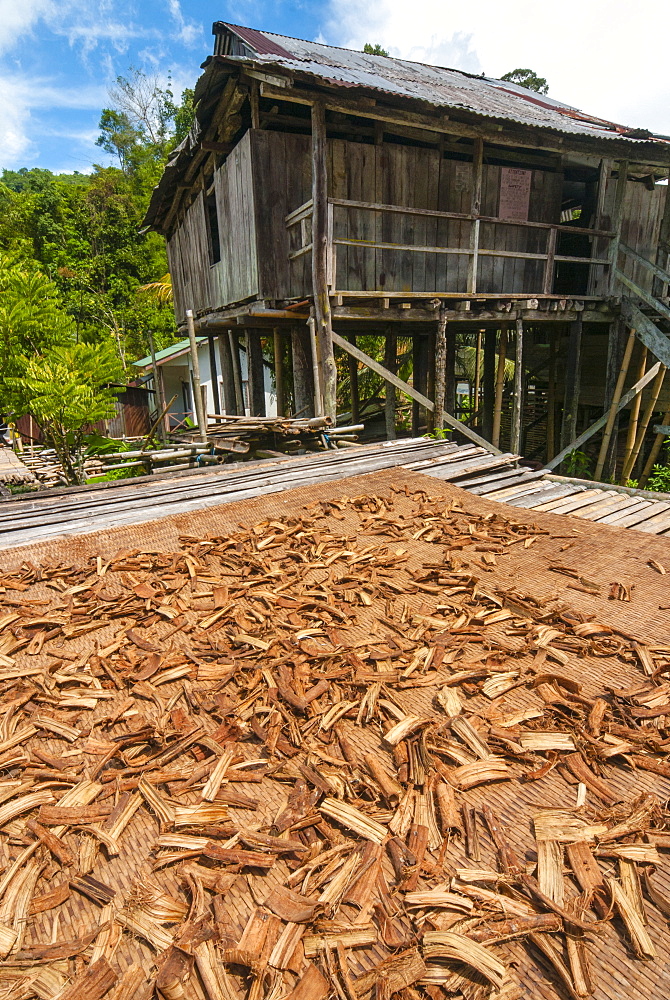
<point>527,78</point>
<point>374,50</point>
<point>66,389</point>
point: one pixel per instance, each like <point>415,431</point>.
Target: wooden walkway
<point>79,510</point>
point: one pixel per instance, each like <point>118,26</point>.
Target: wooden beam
<point>412,393</point>
<point>573,370</point>
<point>601,421</point>
<point>320,252</point>
<point>646,331</point>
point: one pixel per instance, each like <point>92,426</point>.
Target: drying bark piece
<point>550,870</point>
<point>353,819</point>
<point>396,973</point>
<point>54,897</point>
<point>289,939</point>
<point>637,932</point>
<point>359,938</point>
<point>583,773</point>
<point>547,947</point>
<point>459,948</point>
<point>389,788</point>
<point>23,804</point>
<point>291,906</point>
<point>440,899</point>
<point>92,984</point>
<point>467,732</point>
<point>447,809</point>
<point>514,927</point>
<point>132,985</point>
<point>630,883</point>
<point>58,847</point>
<point>660,901</point>
<point>93,889</point>
<point>589,876</point>
<point>146,927</point>
<point>547,741</point>
<point>566,827</point>
<point>480,772</point>
<point>471,833</point>
<point>312,985</point>
<point>405,728</point>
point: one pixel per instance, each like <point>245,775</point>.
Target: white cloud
<point>603,56</point>
<point>189,31</point>
<point>17,18</point>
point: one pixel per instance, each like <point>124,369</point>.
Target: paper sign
<point>514,193</point>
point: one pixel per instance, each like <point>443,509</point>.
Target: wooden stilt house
<point>324,194</point>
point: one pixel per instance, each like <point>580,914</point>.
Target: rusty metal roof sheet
<point>435,85</point>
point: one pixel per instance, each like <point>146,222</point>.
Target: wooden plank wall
<point>236,276</point>
<point>640,227</point>
<point>188,260</point>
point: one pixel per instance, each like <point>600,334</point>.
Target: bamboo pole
<point>551,397</point>
<point>316,371</point>
<point>440,370</point>
<point>642,429</point>
<point>478,362</point>
<point>635,410</point>
<point>158,385</point>
<point>613,410</point>
<point>500,384</point>
<point>517,408</point>
<point>653,454</point>
<point>195,364</point>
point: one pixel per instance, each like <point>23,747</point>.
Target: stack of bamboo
<point>290,761</point>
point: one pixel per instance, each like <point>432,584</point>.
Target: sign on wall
<point>514,193</point>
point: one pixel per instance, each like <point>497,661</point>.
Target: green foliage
<point>659,480</point>
<point>577,464</point>
<point>527,78</point>
<point>66,389</point>
<point>374,50</point>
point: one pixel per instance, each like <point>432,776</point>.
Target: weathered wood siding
<point>640,227</point>
<point>196,283</point>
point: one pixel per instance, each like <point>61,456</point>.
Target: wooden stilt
<point>551,396</point>
<point>278,351</point>
<point>316,367</point>
<point>616,341</point>
<point>234,347</point>
<point>214,375</point>
<point>644,423</point>
<point>635,409</point>
<point>517,404</point>
<point>227,377</point>
<point>158,386</point>
<point>489,383</point>
<point>478,366</point>
<point>572,381</point>
<point>653,454</point>
<point>390,363</point>
<point>616,396</point>
<point>198,405</point>
<point>255,373</point>
<point>500,383</point>
<point>450,373</point>
<point>440,370</point>
<point>301,360</point>
<point>419,381</point>
<point>320,255</point>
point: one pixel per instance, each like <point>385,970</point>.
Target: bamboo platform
<point>78,510</point>
<point>518,644</point>
<point>12,469</point>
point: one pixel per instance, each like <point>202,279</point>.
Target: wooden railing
<point>474,249</point>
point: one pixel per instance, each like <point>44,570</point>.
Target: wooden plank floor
<point>79,510</point>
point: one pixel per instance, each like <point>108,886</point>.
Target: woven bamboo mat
<point>602,554</point>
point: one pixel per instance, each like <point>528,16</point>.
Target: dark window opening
<point>213,238</point>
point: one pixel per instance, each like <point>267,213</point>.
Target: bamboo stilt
<point>642,429</point>
<point>279,370</point>
<point>551,398</point>
<point>440,370</point>
<point>478,364</point>
<point>611,417</point>
<point>517,408</point>
<point>390,361</point>
<point>500,384</point>
<point>635,410</point>
<point>653,454</point>
<point>353,382</point>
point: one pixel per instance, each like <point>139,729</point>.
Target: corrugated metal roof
<point>434,85</point>
<point>168,353</point>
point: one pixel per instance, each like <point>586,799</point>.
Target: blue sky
<point>59,57</point>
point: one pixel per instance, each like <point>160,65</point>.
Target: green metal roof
<point>169,352</point>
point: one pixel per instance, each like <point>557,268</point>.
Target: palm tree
<point>159,291</point>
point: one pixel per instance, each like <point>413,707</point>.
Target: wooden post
<point>489,382</point>
<point>440,369</point>
<point>158,386</point>
<point>227,375</point>
<point>419,379</point>
<point>316,367</point>
<point>450,373</point>
<point>478,365</point>
<point>644,423</point>
<point>475,209</point>
<point>216,399</point>
<point>353,383</point>
<point>390,363</point>
<point>573,371</point>
<point>517,404</point>
<point>615,225</point>
<point>597,222</point>
<point>255,373</point>
<point>320,254</point>
<point>635,409</point>
<point>201,416</point>
<point>613,404</point>
<point>234,346</point>
<point>500,384</point>
<point>279,369</point>
<point>551,396</point>
<point>653,454</point>
<point>301,361</point>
